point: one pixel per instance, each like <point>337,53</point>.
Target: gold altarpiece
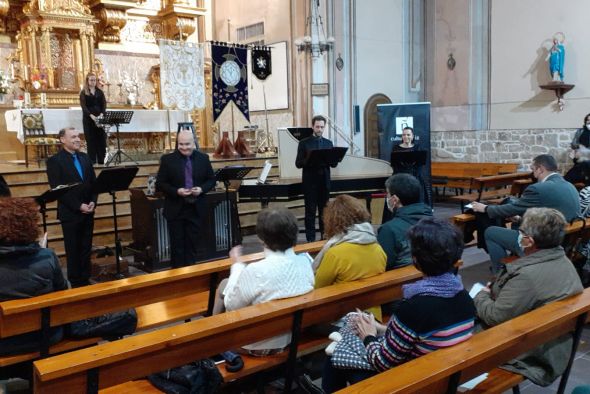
<point>55,42</point>
<point>55,49</point>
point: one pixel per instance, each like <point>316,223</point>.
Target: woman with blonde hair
<point>94,104</point>
<point>352,251</point>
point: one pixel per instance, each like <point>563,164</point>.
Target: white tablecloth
<point>56,119</point>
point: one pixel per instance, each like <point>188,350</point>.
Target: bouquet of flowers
<point>4,83</point>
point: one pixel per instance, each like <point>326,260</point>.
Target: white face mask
<point>388,202</point>
<point>588,126</point>
<point>520,237</point>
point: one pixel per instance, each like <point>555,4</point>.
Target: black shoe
<point>233,361</point>
<point>307,385</point>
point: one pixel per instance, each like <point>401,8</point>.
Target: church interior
<point>485,86</point>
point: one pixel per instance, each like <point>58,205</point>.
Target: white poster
<point>402,122</point>
<point>182,75</point>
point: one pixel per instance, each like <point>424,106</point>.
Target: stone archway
<point>372,124</point>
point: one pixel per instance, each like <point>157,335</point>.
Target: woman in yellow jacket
<point>352,251</point>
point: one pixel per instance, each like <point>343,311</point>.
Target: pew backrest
<point>61,307</point>
<point>442,371</point>
<point>113,363</point>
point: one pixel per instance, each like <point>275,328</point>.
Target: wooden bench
<point>444,370</point>
<point>159,298</point>
<point>495,187</point>
<point>458,175</point>
<point>110,364</point>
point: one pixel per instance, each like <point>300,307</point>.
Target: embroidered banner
<point>182,75</point>
<point>230,78</point>
<point>261,62</point>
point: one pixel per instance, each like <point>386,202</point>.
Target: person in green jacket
<point>403,200</point>
<point>543,275</point>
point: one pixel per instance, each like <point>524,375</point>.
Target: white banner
<point>182,75</point>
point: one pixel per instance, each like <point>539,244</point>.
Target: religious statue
<point>557,58</point>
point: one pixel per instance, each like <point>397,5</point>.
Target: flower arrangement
<point>4,83</point>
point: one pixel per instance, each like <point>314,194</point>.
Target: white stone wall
<point>502,146</point>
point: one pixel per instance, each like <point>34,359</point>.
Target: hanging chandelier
<point>315,41</point>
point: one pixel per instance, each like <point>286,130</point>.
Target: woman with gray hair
<point>544,274</point>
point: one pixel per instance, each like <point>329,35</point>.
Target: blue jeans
<point>499,240</point>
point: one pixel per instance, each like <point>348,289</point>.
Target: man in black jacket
<point>184,177</point>
<point>75,210</point>
<point>316,179</point>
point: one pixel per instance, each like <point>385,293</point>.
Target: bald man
<point>185,175</point>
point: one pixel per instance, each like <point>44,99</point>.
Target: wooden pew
<point>442,371</point>
<point>459,175</point>
<point>500,185</point>
<point>159,298</point>
<point>114,363</point>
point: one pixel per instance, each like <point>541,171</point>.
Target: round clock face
<point>230,73</point>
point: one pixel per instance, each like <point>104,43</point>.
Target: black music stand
<point>112,180</point>
<point>117,118</point>
<point>50,196</point>
<point>410,159</point>
<point>225,175</point>
<point>325,157</point>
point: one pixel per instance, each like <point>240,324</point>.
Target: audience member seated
<point>436,312</point>
<point>29,270</point>
<point>550,191</point>
<point>281,274</point>
<point>403,200</point>
<point>26,269</point>
<point>582,262</point>
<point>352,251</point>
<point>544,274</point>
<point>580,154</point>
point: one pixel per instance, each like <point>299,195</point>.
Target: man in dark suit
<point>185,175</point>
<point>316,179</point>
<point>75,210</point>
<point>550,191</point>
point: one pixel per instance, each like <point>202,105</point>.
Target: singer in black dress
<point>94,104</point>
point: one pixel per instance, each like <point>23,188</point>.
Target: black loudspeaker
<point>357,119</point>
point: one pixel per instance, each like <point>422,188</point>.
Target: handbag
<point>199,377</point>
<point>108,326</point>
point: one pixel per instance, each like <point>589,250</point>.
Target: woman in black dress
<point>411,167</point>
<point>94,104</point>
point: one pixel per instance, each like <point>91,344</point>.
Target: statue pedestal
<point>560,90</point>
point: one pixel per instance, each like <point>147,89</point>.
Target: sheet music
<point>265,172</point>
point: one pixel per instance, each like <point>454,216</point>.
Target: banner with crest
<point>182,75</point>
<point>261,62</point>
<point>230,77</point>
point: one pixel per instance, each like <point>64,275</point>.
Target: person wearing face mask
<point>550,191</point>
<point>403,201</point>
<point>580,154</point>
<point>542,275</point>
<point>315,179</point>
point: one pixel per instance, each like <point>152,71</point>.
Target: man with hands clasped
<point>184,177</point>
<point>75,209</point>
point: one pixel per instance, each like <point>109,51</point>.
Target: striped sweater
<point>419,326</point>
